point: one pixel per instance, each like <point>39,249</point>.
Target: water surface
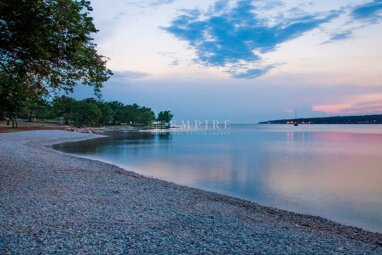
<point>333,171</point>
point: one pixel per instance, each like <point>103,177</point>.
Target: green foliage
<point>35,108</point>
<point>91,112</point>
<point>46,46</point>
<point>44,111</point>
<point>146,117</point>
<point>11,94</point>
<point>63,107</point>
<point>107,114</point>
<point>165,117</point>
<point>136,115</point>
<point>118,112</point>
<point>85,113</point>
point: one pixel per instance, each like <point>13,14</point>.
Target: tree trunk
<point>14,120</point>
<point>30,116</point>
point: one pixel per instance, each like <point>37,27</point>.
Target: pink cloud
<point>331,108</point>
<point>363,104</point>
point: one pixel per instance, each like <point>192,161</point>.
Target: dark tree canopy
<point>165,117</point>
<point>45,46</point>
<point>92,112</point>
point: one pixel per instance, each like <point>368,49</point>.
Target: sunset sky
<point>243,61</point>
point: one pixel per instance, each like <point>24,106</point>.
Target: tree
<point>11,97</point>
<point>131,114</point>
<point>35,107</point>
<point>44,111</point>
<point>147,116</point>
<point>106,113</point>
<point>47,46</point>
<point>85,113</point>
<point>63,107</point>
<point>118,112</point>
<point>136,115</point>
<point>165,117</point>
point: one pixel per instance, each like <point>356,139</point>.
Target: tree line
<point>356,119</point>
<point>93,112</point>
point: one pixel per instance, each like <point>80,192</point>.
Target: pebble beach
<point>52,202</point>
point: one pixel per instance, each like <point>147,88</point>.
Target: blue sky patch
<point>231,36</point>
<point>368,11</point>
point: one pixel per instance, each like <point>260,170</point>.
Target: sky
<point>244,61</point>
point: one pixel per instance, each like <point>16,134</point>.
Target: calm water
<point>330,171</point>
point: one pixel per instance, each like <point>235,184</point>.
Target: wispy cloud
<point>272,4</point>
<point>238,35</point>
<point>252,73</point>
<point>360,104</point>
<point>357,17</point>
<point>128,75</point>
<point>340,36</point>
<point>161,2</point>
<point>370,12</point>
<point>149,3</point>
<point>119,15</point>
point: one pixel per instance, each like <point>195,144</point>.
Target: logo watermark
<point>199,127</point>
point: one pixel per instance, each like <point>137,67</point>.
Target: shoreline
<point>263,227</point>
<point>300,217</point>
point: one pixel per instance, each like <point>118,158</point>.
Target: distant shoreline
<point>70,199</point>
<point>339,120</point>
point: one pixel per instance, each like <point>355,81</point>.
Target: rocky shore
<point>51,202</point>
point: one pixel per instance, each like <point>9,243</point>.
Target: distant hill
<point>362,119</point>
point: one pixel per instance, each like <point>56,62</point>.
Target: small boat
<point>295,122</point>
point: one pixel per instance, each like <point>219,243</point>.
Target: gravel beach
<point>51,202</point>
